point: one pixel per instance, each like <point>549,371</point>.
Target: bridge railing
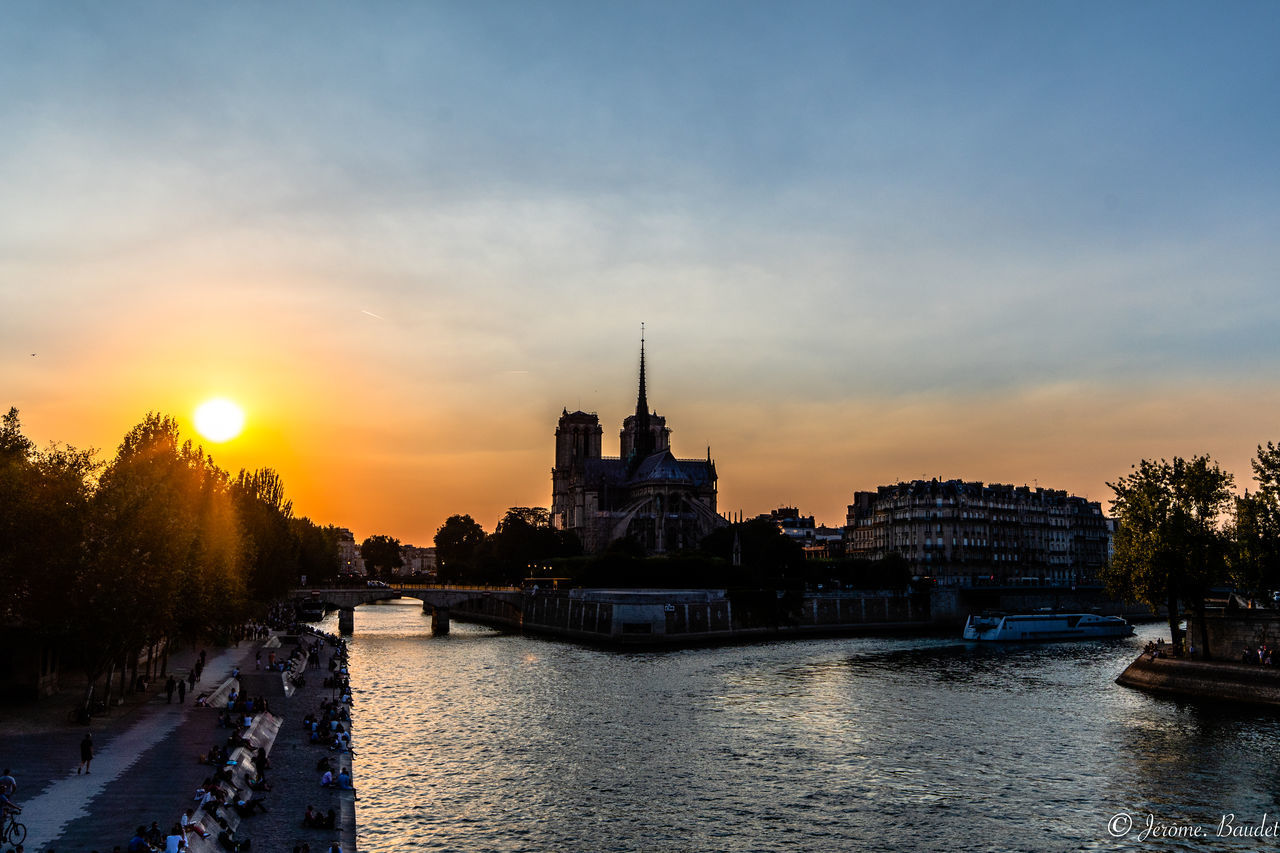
<point>454,586</point>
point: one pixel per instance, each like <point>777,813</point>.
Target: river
<point>482,741</point>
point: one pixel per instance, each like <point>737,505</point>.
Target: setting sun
<point>219,420</point>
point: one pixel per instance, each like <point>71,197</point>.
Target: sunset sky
<point>1019,242</point>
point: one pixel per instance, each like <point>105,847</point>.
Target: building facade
<point>966,532</point>
<point>645,494</point>
<point>417,561</point>
<point>349,560</point>
<point>819,541</point>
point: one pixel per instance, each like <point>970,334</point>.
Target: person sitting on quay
<point>249,807</point>
<point>174,842</point>
<point>190,824</point>
<point>258,783</point>
<point>344,780</point>
<point>237,739</point>
<point>326,779</point>
<point>138,844</point>
<point>222,777</point>
<point>213,800</point>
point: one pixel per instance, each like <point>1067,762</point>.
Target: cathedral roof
<point>660,467</point>
<point>663,467</point>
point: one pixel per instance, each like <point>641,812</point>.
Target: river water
<point>482,741</point>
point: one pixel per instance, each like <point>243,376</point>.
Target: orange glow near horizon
<point>403,476</point>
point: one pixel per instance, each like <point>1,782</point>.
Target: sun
<point>219,420</point>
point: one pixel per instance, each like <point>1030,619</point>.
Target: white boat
<point>1032,627</point>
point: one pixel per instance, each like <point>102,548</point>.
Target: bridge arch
<point>500,606</point>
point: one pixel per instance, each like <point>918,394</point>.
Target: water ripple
<point>483,741</point>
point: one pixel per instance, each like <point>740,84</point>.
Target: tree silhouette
<point>381,554</point>
<point>457,541</point>
<point>1169,543</point>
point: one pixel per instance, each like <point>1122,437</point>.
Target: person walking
<point>170,686</point>
<point>86,753</point>
<point>182,691</point>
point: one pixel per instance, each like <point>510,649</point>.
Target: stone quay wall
<point>682,617</point>
<point>1215,680</point>
<point>1232,631</point>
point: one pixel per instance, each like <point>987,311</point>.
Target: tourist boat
<point>1032,627</point>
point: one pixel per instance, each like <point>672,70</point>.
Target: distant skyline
<point>998,241</point>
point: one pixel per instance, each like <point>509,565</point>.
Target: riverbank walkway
<point>145,764</point>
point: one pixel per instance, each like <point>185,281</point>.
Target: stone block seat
<point>222,693</point>
<point>262,733</point>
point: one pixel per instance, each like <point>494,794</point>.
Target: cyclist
<point>8,807</point>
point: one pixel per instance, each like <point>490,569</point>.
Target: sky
<point>1027,243</point>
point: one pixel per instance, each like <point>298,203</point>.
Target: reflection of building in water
<point>661,502</point>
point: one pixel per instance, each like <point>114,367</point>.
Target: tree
<point>524,538</point>
<point>44,497</point>
<point>768,554</point>
<point>1169,542</point>
<point>1255,558</point>
<point>162,549</point>
<point>381,554</point>
<point>272,548</point>
<point>317,550</point>
<point>457,541</point>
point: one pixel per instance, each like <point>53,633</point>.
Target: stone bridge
<point>502,602</point>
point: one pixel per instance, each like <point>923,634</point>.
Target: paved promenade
<point>145,766</point>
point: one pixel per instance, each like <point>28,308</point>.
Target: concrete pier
<point>440,621</point>
<point>1215,680</point>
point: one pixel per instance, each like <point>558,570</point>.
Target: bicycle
<point>13,832</point>
<point>81,714</point>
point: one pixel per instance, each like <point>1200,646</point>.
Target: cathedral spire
<point>642,404</point>
<point>644,435</point>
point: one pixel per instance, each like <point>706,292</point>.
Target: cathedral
<point>645,493</point>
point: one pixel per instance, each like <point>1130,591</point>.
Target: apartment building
<point>961,532</point>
